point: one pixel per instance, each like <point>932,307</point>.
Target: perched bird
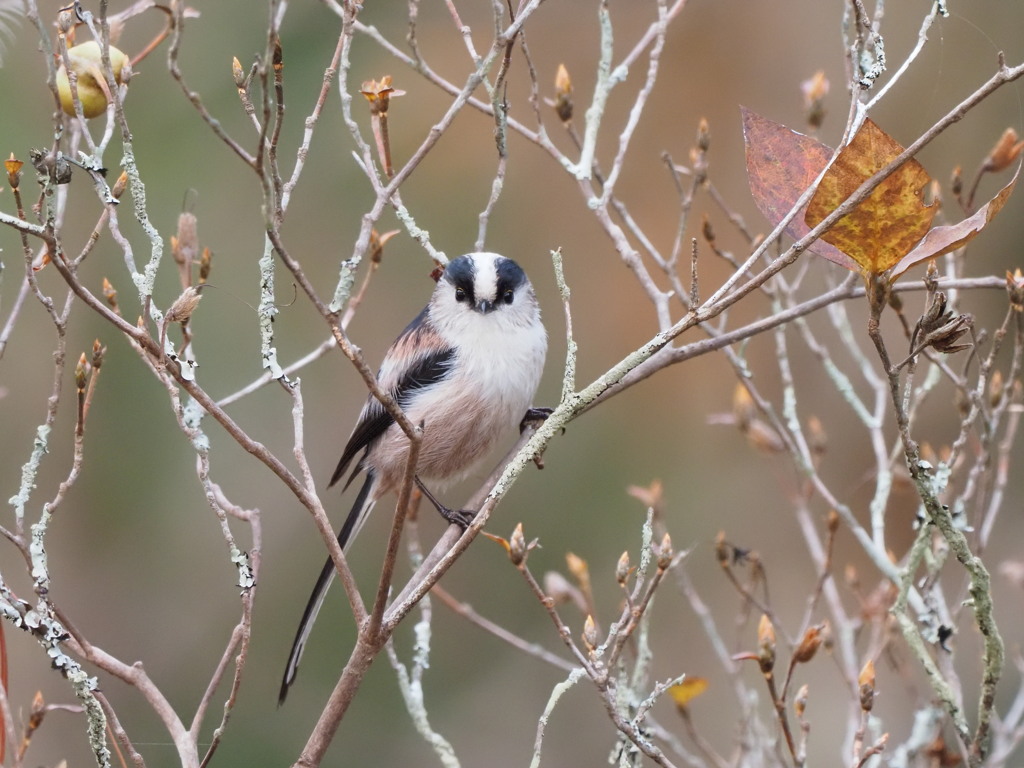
<point>466,368</point>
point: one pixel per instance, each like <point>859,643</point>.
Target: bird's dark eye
<point>508,296</point>
<point>460,294</point>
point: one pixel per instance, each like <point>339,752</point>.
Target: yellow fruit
<point>86,61</point>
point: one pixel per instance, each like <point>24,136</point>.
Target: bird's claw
<point>533,417</point>
<point>459,517</point>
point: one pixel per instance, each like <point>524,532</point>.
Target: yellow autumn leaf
<point>886,225</point>
<point>686,691</point>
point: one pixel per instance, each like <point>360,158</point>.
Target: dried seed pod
<point>119,186</point>
<point>1005,152</point>
<point>562,102</point>
<point>183,307</point>
<point>809,644</point>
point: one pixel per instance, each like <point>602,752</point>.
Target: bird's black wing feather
<point>367,430</point>
<point>428,370</point>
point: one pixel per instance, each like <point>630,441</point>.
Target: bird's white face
<point>481,294</point>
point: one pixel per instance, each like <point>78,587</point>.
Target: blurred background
<point>137,557</point>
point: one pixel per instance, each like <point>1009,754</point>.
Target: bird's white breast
<point>495,372</point>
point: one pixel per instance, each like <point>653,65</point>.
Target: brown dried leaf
<point>781,165</point>
<point>949,237</point>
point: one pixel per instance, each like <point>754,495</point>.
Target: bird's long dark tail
<point>360,510</point>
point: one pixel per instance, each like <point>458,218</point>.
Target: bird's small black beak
<point>484,306</point>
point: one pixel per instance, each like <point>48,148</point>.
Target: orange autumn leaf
<point>686,691</point>
<point>885,226</point>
<point>782,164</point>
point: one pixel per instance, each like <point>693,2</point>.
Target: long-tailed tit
<point>466,369</point>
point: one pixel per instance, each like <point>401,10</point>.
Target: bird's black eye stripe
<point>461,272</point>
<point>510,277</point>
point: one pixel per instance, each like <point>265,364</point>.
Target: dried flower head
<point>183,307</point>
<point>379,94</point>
<point>13,167</point>
<point>940,328</point>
